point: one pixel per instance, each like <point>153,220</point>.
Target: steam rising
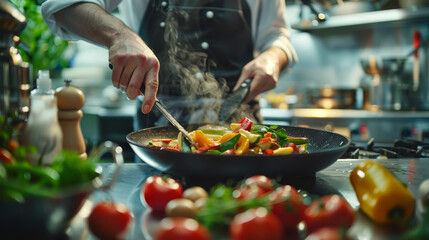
<point>190,69</point>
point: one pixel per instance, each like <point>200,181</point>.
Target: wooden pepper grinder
<point>70,101</point>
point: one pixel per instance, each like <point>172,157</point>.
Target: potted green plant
<point>39,46</point>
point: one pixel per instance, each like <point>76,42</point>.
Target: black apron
<point>202,46</point>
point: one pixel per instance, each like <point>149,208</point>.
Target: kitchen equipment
<point>14,73</point>
<point>324,149</point>
<point>70,101</point>
<point>416,63</point>
<point>336,98</point>
<point>175,123</point>
<point>231,103</point>
<point>388,89</point>
<point>47,218</point>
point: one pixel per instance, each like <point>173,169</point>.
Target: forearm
<point>277,56</point>
<point>91,22</point>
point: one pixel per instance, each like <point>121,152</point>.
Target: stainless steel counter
<point>359,125</point>
<point>334,179</point>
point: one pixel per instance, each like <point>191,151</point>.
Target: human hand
<point>265,70</point>
<point>135,67</point>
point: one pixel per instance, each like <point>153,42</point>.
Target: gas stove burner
<point>409,148</point>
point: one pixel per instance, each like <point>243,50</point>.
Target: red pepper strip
<point>268,135</point>
<point>293,146</point>
<point>242,120</point>
<point>167,141</point>
<point>206,148</point>
<point>269,151</point>
<point>245,124</point>
<point>265,139</point>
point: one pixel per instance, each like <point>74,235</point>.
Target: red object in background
<point>255,224</point>
<point>416,42</point>
<point>109,220</point>
<point>157,191</point>
<point>288,206</point>
<point>329,211</point>
<point>181,228</point>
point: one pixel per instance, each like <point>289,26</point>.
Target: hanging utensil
<point>234,100</point>
<point>169,117</point>
<point>416,64</point>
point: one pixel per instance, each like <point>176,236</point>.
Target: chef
<point>190,54</point>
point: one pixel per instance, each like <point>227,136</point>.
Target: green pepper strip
<point>215,152</point>
<point>186,146</point>
<point>230,144</point>
<point>297,140</point>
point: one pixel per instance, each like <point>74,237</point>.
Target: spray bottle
<point>43,130</point>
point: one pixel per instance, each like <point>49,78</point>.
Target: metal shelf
<point>366,19</point>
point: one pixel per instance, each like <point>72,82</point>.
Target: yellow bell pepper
<point>201,139</point>
<point>283,151</point>
<point>381,195</point>
<point>226,137</point>
<point>233,126</point>
<point>243,145</point>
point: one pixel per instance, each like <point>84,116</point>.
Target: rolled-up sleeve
<point>270,29</point>
<point>50,7</point>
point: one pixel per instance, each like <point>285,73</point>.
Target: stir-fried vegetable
<point>244,137</point>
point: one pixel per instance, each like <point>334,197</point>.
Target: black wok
<point>324,149</point>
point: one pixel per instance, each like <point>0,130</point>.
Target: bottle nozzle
<point>43,74</point>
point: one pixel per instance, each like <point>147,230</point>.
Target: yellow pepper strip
<point>381,195</point>
<point>284,151</point>
<point>226,137</point>
<point>243,145</point>
<point>233,126</point>
<point>201,139</point>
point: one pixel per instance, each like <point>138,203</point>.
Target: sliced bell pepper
<point>184,144</point>
<point>166,141</point>
<point>245,124</point>
<point>269,151</point>
<point>214,146</point>
<point>297,140</point>
<point>380,194</point>
<point>233,126</point>
<point>229,144</point>
<point>253,138</point>
<point>201,139</point>
<point>293,146</point>
<point>243,145</point>
<point>227,137</point>
<point>283,151</point>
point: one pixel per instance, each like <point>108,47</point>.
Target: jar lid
<point>69,98</point>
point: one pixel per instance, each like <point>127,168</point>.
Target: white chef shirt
<point>268,21</point>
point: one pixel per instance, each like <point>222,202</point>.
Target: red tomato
<point>255,223</point>
<point>328,233</point>
<point>6,156</point>
<point>157,191</point>
<point>109,220</point>
<point>288,206</point>
<point>261,181</point>
<point>329,211</point>
<point>248,192</point>
<point>180,228</point>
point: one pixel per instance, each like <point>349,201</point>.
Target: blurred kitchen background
<point>356,74</point>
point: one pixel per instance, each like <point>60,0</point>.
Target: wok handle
<point>118,159</point>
